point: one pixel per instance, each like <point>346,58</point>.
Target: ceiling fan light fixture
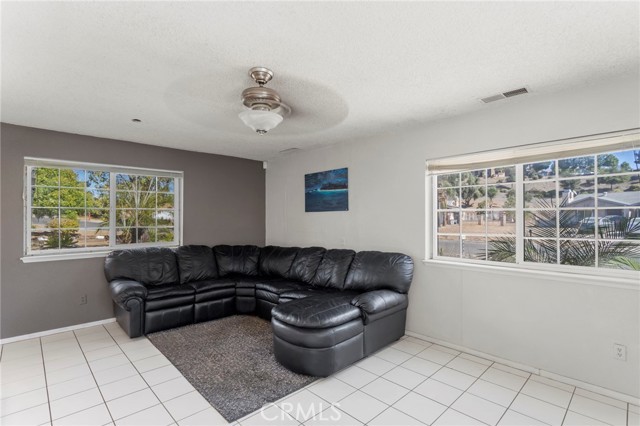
<point>261,121</point>
<point>265,110</point>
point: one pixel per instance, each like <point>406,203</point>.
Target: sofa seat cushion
<point>321,311</point>
<point>316,337</point>
<point>308,292</point>
<point>210,285</point>
<point>279,286</point>
<point>170,290</point>
<point>271,290</point>
<point>169,296</point>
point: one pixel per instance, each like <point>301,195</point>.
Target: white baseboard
<point>558,377</point>
<point>55,331</point>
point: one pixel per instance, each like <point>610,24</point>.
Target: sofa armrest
<point>124,290</point>
<point>379,303</point>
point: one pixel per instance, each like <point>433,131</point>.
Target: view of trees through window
<point>74,208</point>
<point>582,211</point>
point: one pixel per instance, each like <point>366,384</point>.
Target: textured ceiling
<point>348,69</point>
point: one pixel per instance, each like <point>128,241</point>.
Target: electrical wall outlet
<point>83,299</point>
<point>619,352</point>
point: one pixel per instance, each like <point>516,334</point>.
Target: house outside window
<point>73,208</point>
<point>559,211</point>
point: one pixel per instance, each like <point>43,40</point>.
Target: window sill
<point>631,282</point>
<point>65,256</point>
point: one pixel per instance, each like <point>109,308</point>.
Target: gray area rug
<point>230,362</point>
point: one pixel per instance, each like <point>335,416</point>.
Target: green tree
<point>492,191</point>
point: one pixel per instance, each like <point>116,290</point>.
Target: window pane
<point>501,222</point>
<point>44,197</point>
<point>619,188</point>
<point>542,170</point>
<point>125,236</point>
<point>97,198</point>
<point>73,216</point>
<point>165,235</point>
<point>501,175</point>
<point>540,224</point>
<point>619,254</point>
<point>125,182</point>
<point>97,180</point>
<point>125,200</point>
<point>448,180</point>
<point>165,201</point>
<point>617,223</point>
<point>540,194</point>
<point>576,166</point>
<point>73,178</point>
<point>146,183</point>
<point>146,218</point>
<point>41,217</point>
<point>166,184</point>
<point>577,223</point>
<point>449,198</point>
<point>449,222</point>
<point>72,197</point>
<point>448,246</point>
<point>96,218</point>
<point>147,200</point>
<point>45,176</point>
<point>618,162</point>
<point>578,253</point>
<point>501,196</point>
<point>164,217</point>
<point>540,251</point>
<point>474,247</point>
<point>577,193</point>
<point>45,239</point>
<point>474,222</point>
<point>502,249</point>
<point>473,197</point>
<point>125,218</point>
<point>476,177</point>
<point>97,237</point>
<point>146,235</point>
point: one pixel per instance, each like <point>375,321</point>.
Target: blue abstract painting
<point>327,191</point>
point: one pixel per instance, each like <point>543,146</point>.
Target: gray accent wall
<point>224,202</point>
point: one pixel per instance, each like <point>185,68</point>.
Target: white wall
<point>563,326</point>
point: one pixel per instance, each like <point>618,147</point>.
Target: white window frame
<point>89,252</point>
<point>553,150</point>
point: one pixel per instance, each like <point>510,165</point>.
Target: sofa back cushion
<point>276,261</point>
<point>333,268</point>
<point>306,264</point>
<point>237,259</point>
<point>149,266</point>
<point>196,263</point>
<point>374,270</point>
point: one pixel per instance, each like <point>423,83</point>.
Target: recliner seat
<point>328,308</point>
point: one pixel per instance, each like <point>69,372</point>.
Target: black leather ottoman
<point>318,335</point>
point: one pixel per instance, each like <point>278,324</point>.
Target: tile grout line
<point>94,380</point>
<point>46,382</point>
<point>564,418</point>
<point>526,415</point>
<point>147,383</point>
<point>450,406</point>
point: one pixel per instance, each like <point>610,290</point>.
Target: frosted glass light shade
<point>260,121</point>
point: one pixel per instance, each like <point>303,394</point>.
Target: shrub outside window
<point>581,211</point>
<point>81,207</point>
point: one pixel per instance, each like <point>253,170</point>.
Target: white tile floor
<point>98,376</point>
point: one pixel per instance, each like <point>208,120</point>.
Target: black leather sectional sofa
<point>328,308</point>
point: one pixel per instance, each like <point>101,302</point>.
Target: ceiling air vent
<point>509,94</point>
